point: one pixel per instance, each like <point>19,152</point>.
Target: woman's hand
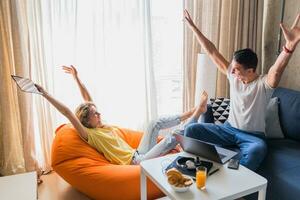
<point>40,89</point>
<point>84,92</point>
<point>70,70</point>
<point>188,19</point>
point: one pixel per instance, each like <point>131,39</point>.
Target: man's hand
<point>207,45</point>
<point>292,36</point>
<point>70,70</point>
<point>188,19</point>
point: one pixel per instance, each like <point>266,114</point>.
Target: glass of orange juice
<point>201,177</point>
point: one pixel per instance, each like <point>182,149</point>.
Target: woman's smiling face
<point>94,117</point>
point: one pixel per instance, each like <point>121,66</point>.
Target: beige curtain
<point>272,12</point>
<point>44,116</point>
<point>230,25</point>
<point>26,131</point>
<point>16,127</point>
<point>191,48</point>
<point>240,27</point>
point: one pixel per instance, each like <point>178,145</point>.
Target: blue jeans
<point>252,145</point>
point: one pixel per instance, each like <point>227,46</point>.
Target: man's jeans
<point>252,145</point>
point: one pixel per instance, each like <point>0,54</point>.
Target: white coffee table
<point>224,184</point>
<point>19,186</point>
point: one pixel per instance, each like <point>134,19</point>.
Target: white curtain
<point>106,41</point>
<point>43,113</point>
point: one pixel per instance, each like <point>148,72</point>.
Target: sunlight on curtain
<point>116,54</point>
<point>167,42</point>
<point>128,54</point>
<point>103,40</point>
<point>43,113</point>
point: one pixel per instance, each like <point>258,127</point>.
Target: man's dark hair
<point>247,58</point>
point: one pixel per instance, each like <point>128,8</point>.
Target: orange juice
<point>201,178</point>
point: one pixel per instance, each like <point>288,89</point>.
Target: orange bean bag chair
<point>89,172</point>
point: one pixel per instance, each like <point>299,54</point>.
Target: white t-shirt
<point>248,103</point>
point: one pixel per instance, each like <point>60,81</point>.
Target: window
<point>167,45</point>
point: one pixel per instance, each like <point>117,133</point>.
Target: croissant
<point>177,179</point>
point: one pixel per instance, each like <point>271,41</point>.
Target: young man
<point>249,95</point>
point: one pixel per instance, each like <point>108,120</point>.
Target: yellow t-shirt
<point>114,148</point>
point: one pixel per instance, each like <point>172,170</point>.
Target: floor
<point>55,188</point>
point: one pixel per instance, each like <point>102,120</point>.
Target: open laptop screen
<point>25,84</point>
<point>204,149</point>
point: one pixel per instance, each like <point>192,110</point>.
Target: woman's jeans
<point>149,148</point>
<point>252,145</point>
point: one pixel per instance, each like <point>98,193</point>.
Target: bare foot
<point>202,107</point>
<point>197,111</point>
<point>203,102</point>
<point>187,114</point>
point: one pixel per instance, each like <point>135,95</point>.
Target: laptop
<point>25,84</point>
<point>204,149</point>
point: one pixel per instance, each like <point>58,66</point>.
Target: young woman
<point>87,121</point>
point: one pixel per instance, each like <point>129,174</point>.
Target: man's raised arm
<point>207,45</point>
<point>292,38</point>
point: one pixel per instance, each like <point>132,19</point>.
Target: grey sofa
<point>281,167</point>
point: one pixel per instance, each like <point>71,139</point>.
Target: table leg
<point>262,193</point>
<point>143,186</point>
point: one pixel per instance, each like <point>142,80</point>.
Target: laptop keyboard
<point>221,156</point>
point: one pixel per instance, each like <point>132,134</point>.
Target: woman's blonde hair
<point>82,113</point>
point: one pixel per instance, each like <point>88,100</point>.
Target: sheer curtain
<point>111,44</point>
<point>167,43</point>
<point>107,43</point>
<point>120,53</point>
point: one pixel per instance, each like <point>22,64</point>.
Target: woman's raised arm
<point>65,111</point>
<point>84,92</point>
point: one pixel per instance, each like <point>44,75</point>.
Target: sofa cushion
<point>218,112</point>
<point>220,109</point>
<point>287,181</point>
<point>273,128</point>
<point>289,112</point>
<point>283,154</point>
